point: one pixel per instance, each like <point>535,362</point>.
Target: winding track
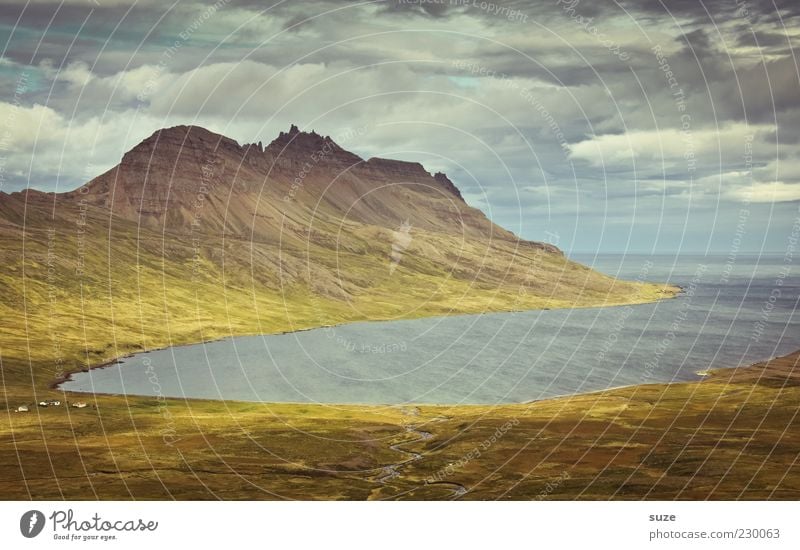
<point>393,471</point>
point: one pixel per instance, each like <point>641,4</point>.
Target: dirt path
<point>393,471</point>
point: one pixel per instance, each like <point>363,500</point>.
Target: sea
<point>733,311</point>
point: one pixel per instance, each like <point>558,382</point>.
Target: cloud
<point>536,120</point>
<point>49,151</point>
<point>767,192</point>
<point>670,146</point>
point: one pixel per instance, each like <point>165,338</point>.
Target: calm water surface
<point>733,314</point>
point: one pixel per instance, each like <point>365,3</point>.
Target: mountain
<point>194,236</point>
<point>187,178</point>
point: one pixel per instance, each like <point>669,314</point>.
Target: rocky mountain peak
<point>447,184</point>
<point>310,147</point>
<point>185,141</point>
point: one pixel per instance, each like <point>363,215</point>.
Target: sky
<point>647,126</point>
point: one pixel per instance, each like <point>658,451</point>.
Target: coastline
<point>780,365</point>
<point>704,438</point>
<point>676,292</point>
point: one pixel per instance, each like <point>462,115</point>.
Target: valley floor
<point>733,435</point>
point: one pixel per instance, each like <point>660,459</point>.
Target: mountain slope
<point>187,177</point>
<point>193,236</point>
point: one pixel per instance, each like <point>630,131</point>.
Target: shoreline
<point>737,373</point>
<point>55,384</point>
<point>710,375</point>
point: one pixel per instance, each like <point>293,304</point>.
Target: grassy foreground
<point>733,435</point>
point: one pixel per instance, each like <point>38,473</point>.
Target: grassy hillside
<point>71,300</point>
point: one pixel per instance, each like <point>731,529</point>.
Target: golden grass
<point>733,435</point>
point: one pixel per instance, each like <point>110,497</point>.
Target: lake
<point>733,313</point>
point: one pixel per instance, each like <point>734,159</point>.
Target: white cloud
<point>767,192</point>
<point>670,145</point>
<point>44,147</point>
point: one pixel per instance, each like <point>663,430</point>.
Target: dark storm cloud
<point>762,39</point>
<point>701,11</point>
<point>432,8</point>
<point>51,31</point>
<point>788,131</point>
